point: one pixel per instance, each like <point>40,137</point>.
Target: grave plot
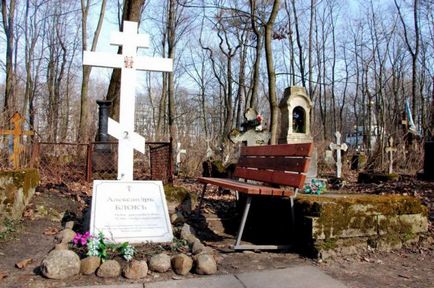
<point>341,224</point>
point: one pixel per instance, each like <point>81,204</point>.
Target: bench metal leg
<point>243,221</point>
<point>292,216</point>
<point>201,198</point>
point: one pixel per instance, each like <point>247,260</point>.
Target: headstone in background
<point>252,132</point>
<point>103,159</point>
<point>339,147</point>
<point>209,152</point>
<point>295,110</point>
<point>251,137</point>
<point>390,149</point>
<point>329,159</point>
<point>17,133</point>
<point>179,151</point>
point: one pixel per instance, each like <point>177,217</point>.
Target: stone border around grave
<point>345,224</point>
<point>62,263</point>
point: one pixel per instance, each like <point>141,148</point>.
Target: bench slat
<point>246,188</point>
<point>276,177</point>
<point>299,165</point>
<point>302,150</point>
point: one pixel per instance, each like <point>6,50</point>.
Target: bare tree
<point>132,11</point>
<point>83,122</point>
<point>8,17</point>
<point>272,96</point>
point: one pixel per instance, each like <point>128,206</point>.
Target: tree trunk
<point>131,12</point>
<point>274,110</point>
<point>83,122</point>
<point>8,26</point>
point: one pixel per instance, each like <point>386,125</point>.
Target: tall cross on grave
<point>129,62</point>
<point>16,120</point>
<point>390,150</point>
<point>338,147</point>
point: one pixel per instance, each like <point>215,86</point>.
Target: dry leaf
<point>29,213</point>
<point>51,231</point>
<point>23,263</point>
<point>3,275</point>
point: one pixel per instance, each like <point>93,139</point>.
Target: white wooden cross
<point>338,147</point>
<point>129,62</point>
<point>390,150</point>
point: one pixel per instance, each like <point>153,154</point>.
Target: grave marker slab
<point>134,211</point>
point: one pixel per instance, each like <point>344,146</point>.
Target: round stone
<point>60,264</point>
<point>159,263</point>
<point>109,269</point>
<point>205,264</point>
<point>182,264</point>
<point>136,270</point>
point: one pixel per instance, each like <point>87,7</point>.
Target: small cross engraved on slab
<point>129,63</point>
<point>338,147</point>
<point>390,149</point>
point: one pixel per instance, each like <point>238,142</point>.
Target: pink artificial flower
<point>259,118</point>
<point>81,239</point>
<point>84,238</point>
<point>77,239</point>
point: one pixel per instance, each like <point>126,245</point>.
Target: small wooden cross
<point>16,120</point>
<point>390,150</point>
<point>338,147</point>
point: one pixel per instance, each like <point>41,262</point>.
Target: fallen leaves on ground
<point>3,275</point>
<point>51,231</point>
<point>23,263</point>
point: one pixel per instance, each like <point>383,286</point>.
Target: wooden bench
<point>280,169</point>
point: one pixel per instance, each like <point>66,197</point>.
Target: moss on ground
<point>178,194</point>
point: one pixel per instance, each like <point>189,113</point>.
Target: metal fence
<point>72,162</point>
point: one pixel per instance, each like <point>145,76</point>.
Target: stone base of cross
<point>129,62</point>
<point>338,147</point>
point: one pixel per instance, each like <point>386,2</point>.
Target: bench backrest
<point>281,164</point>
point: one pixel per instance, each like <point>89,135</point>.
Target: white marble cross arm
<point>101,59</point>
<point>136,141</point>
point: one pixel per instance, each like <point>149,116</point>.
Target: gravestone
<point>179,151</point>
<point>134,211</point>
<point>209,152</point>
<point>295,110</point>
<point>127,210</point>
<point>338,146</point>
<point>102,156</point>
<point>252,133</point>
